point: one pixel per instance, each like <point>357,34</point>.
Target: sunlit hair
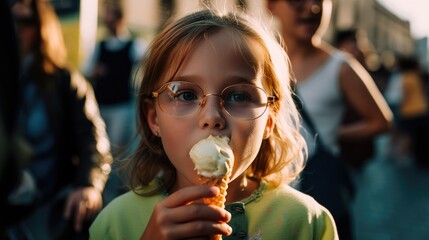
<point>49,48</point>
<point>324,21</point>
<point>281,156</point>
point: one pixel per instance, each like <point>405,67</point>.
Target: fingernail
<point>228,215</point>
<point>229,229</point>
<point>216,190</point>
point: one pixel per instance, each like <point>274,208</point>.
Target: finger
<point>91,207</point>
<point>190,194</point>
<point>194,212</point>
<point>90,210</point>
<point>200,229</point>
<point>69,207</point>
<point>79,216</point>
<point>93,202</point>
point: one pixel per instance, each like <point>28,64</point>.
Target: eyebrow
<point>235,79</point>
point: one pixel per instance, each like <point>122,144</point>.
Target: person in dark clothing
<point>110,69</point>
<point>108,89</point>
<point>358,152</point>
<point>60,187</point>
<point>406,96</point>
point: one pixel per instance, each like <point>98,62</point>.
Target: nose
<point>211,112</point>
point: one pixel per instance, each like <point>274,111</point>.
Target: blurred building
<point>382,34</point>
<point>422,48</point>
<point>384,30</point>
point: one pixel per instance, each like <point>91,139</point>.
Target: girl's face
<point>213,65</point>
<point>299,19</point>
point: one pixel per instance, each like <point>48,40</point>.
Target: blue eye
<point>186,95</point>
<point>239,97</point>
<point>244,96</point>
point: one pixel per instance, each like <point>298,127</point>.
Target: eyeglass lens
<point>183,98</point>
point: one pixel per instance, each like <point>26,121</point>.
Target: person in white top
<point>326,80</point>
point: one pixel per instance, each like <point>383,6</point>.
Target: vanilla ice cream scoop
<point>212,157</point>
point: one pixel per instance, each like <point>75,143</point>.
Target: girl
<point>215,63</point>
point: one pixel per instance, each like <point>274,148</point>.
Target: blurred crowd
<point>64,131</point>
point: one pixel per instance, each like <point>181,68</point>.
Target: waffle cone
<point>219,200</point>
<point>222,184</point>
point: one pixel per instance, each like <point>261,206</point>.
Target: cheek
<point>247,140</point>
<point>174,139</point>
<point>176,142</point>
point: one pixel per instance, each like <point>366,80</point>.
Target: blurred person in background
<point>347,41</point>
<point>358,152</point>
<point>328,80</point>
<point>111,70</point>
<point>60,187</point>
<point>405,94</point>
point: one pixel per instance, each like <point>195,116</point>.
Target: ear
<point>269,127</point>
<point>152,117</point>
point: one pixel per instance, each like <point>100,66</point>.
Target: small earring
<point>315,9</point>
<point>157,133</point>
<point>267,134</point>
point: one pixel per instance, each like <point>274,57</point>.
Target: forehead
<point>222,53</point>
<point>216,51</point>
<point>223,44</point>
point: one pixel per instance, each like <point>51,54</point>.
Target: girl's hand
<point>176,218</point>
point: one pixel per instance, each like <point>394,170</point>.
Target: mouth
<point>309,21</point>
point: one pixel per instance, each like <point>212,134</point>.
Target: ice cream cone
<point>222,184</point>
<point>214,159</point>
<point>219,200</point>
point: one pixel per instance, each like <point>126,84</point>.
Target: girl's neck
<point>241,188</point>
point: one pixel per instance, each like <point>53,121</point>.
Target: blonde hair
<point>49,44</point>
<point>281,156</point>
<point>48,48</point>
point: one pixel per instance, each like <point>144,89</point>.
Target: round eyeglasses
<point>242,101</point>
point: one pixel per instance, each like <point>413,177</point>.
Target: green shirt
<point>269,214</point>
